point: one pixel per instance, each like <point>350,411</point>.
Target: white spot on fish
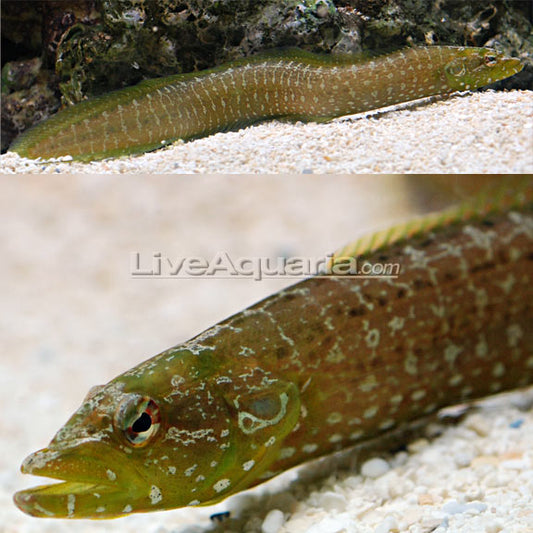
<point>368,384</point>
<point>514,334</point>
<point>285,453</point>
<point>127,509</point>
<point>498,370</point>
<point>334,418</point>
<point>356,435</point>
<point>396,399</point>
<point>245,350</point>
<point>418,395</point>
<point>410,364</point>
<point>221,484</point>
<point>270,441</point>
<point>507,284</point>
<point>387,424</point>
<point>309,448</point>
<point>267,474</point>
<point>100,509</point>
<point>189,471</point>
<point>335,354</point>
<point>396,324</point>
<point>177,380</point>
<point>185,437</point>
<point>111,475</point>
<point>43,510</point>
<point>372,338</point>
<point>248,465</point>
<point>481,347</point>
<point>155,495</point>
<point>455,380</point>
<point>336,437</point>
<point>371,412</point>
<point>451,352</point>
<point>71,503</point>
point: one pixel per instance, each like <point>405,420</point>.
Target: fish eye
<point>138,419</point>
<point>490,60</point>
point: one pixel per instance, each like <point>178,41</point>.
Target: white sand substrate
<point>488,132</point>
<point>73,316</point>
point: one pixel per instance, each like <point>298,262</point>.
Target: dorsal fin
<point>497,194</point>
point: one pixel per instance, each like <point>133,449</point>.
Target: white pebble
<point>374,468</point>
<point>273,521</point>
<point>454,507</point>
<point>479,424</point>
<point>332,501</point>
<point>517,464</point>
<point>494,527</point>
<point>463,459</point>
<point>387,526</point>
<point>342,523</point>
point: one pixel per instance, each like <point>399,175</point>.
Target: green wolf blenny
<point>325,364</point>
<point>292,85</point>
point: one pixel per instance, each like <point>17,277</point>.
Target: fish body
<point>322,365</point>
<point>291,85</point>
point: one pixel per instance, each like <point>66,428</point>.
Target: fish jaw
<point>69,499</point>
<point>509,66</point>
<point>88,489</point>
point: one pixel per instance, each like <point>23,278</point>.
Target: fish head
<point>470,68</point>
<point>169,433</point>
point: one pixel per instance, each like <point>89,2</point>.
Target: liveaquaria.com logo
<point>157,265</point>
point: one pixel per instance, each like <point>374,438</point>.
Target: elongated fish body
<point>322,365</point>
<point>297,86</point>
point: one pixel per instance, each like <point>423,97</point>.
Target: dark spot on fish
<point>282,352</point>
<point>450,276</point>
<point>489,265</point>
<point>377,361</point>
<point>289,296</point>
<point>421,283</point>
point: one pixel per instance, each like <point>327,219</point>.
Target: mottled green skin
<point>295,86</point>
<point>322,365</point>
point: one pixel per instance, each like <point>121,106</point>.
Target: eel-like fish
<point>322,365</point>
<point>290,85</point>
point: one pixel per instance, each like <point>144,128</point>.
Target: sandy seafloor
<point>73,317</point>
<point>484,132</point>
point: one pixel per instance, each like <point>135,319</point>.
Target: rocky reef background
<point>58,52</point>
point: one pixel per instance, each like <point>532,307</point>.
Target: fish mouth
<point>58,500</point>
<point>514,64</point>
<point>85,488</point>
